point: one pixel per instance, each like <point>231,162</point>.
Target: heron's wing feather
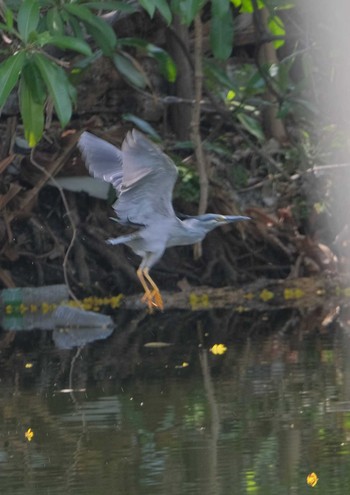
<point>103,160</point>
<point>148,181</point>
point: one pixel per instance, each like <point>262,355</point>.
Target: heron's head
<point>211,220</point>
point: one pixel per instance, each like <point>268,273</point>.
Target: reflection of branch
<point>71,472</point>
<point>215,418</point>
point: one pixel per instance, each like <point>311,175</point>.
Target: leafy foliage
<point>72,26</point>
<point>33,26</point>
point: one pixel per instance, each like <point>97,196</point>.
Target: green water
<point>176,420</point>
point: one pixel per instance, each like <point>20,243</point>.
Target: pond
<point>151,409</point>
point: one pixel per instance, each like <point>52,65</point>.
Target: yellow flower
<point>312,479</point>
<point>218,349</point>
<point>28,365</point>
<point>29,434</point>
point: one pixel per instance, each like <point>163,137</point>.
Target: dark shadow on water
<point>150,409</point>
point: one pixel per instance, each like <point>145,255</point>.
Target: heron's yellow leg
<point>156,295</point>
<point>148,296</point>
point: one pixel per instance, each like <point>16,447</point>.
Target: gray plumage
<point>144,179</point>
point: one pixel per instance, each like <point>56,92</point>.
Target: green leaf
<point>166,63</point>
<point>142,125</point>
<point>221,35</point>
<point>164,9</point>
<point>34,81</point>
<point>149,6</point>
<point>70,43</point>
<point>220,7</point>
<point>75,25</point>
<point>10,70</point>
<point>187,9</point>
<point>246,5</point>
<point>57,85</point>
<point>129,71</point>
<point>28,18</point>
<point>42,39</point>
<point>83,63</point>
<point>252,126</point>
<point>123,7</point>
<point>9,19</point>
<point>54,21</point>
<point>99,29</point>
<point>32,113</point>
<point>276,26</point>
<point>216,74</point>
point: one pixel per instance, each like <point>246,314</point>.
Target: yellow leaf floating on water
<point>266,295</point>
<point>183,365</point>
<point>218,349</point>
<point>312,479</point>
<point>29,434</point>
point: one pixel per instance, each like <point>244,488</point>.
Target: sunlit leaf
<point>247,5</point>
<point>276,26</point>
<point>230,95</point>
<point>9,73</point>
<point>27,18</point>
<point>57,85</point>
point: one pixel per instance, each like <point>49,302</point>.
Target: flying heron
<point>144,177</point>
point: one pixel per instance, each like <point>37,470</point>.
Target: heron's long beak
<point>234,218</point>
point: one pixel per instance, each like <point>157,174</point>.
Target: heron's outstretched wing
<point>141,173</point>
<point>103,160</point>
<point>148,182</point>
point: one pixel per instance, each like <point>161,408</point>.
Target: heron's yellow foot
<point>157,299</point>
<point>153,301</point>
<point>152,296</point>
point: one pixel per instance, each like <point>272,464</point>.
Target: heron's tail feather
<point>123,239</point>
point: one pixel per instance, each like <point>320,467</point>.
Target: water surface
<point>117,416</point>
